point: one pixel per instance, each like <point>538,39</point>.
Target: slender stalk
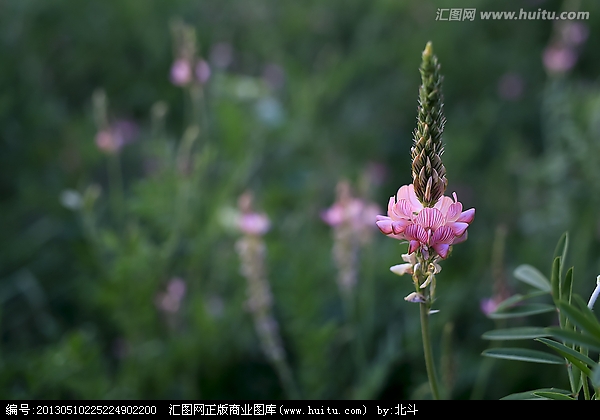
<point>431,375</point>
<point>586,389</point>
<point>287,379</point>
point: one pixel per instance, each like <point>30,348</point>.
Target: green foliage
<point>579,332</point>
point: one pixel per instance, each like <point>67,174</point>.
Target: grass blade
<point>555,278</point>
<point>524,355</point>
<point>511,301</point>
<point>531,395</point>
<point>573,337</point>
<point>580,360</point>
<point>523,310</point>
<point>521,333</point>
<point>532,276</point>
<point>553,395</point>
<point>586,323</point>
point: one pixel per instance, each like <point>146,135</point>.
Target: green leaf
<point>529,395</point>
<point>581,361</point>
<point>586,322</point>
<point>524,355</point>
<point>595,376</point>
<point>532,276</point>
<point>568,286</point>
<point>574,337</point>
<point>565,292</point>
<point>555,278</point>
<point>562,247</point>
<point>507,303</point>
<point>553,395</point>
<point>587,312</point>
<point>523,310</point>
<point>521,333</point>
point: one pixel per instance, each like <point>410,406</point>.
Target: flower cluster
<point>114,137</point>
<point>187,66</point>
<point>426,228</point>
<point>182,74</point>
<point>170,300</point>
<point>352,220</point>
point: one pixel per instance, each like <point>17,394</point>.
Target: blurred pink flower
<point>435,227</point>
<point>574,33</point>
<point>170,300</point>
<point>202,71</point>
<point>106,142</point>
<point>488,305</point>
<point>113,138</point>
<point>181,72</point>
<point>352,212</point>
<point>559,59</point>
<point>347,209</point>
<point>254,223</point>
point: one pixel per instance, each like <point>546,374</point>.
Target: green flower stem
<point>424,310</point>
<point>431,375</point>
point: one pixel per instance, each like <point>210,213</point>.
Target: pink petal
<point>453,212</point>
<point>416,232</point>
<point>407,192</point>
<point>460,238</point>
<point>458,227</point>
<point>430,218</point>
<point>391,203</point>
<point>466,216</point>
<point>413,246</point>
<point>384,225</point>
<point>405,208</point>
<point>399,226</point>
<point>442,249</point>
<point>443,204</point>
<point>444,235</point>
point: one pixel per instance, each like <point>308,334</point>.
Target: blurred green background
<point>300,96</point>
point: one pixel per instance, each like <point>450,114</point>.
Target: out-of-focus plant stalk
<point>252,251</point>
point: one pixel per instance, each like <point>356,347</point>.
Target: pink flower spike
<point>435,227</point>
